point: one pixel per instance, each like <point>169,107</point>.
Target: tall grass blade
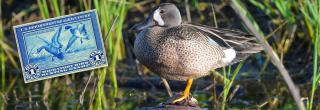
<point>56,7</point>
<point>2,54</point>
<point>228,84</point>
<point>2,62</point>
<point>311,12</point>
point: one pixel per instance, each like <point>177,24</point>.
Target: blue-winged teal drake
<point>181,51</point>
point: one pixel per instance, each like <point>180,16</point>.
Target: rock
<point>189,103</point>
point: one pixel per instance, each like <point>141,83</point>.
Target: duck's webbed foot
<point>190,101</point>
<point>185,93</point>
<point>184,99</point>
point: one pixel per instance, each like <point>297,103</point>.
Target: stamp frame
<point>96,31</point>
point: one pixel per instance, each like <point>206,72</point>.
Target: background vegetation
<point>291,27</point>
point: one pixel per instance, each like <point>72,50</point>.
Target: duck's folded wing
<point>244,44</point>
<point>202,33</point>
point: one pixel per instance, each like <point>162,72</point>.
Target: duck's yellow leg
<point>185,93</point>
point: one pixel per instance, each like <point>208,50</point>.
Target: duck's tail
<point>245,50</point>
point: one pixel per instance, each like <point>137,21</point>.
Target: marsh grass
<point>286,11</point>
<point>2,54</point>
<point>228,83</point>
<point>311,12</point>
<point>2,63</point>
<point>6,54</point>
<point>111,15</point>
<point>308,8</point>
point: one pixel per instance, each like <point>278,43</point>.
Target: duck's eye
<point>161,11</point>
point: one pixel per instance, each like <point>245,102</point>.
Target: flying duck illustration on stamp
<point>53,47</point>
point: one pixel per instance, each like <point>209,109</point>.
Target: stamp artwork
<point>60,46</point>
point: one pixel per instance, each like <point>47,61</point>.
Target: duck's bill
<point>144,25</point>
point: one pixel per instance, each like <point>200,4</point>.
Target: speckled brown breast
<point>178,53</point>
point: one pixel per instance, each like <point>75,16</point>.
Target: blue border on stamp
<point>58,58</point>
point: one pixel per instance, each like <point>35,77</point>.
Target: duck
<point>78,32</point>
<point>177,50</point>
<point>54,47</point>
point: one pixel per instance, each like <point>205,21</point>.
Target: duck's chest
<point>151,50</point>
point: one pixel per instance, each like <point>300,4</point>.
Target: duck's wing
<point>55,39</point>
<point>240,41</point>
<point>212,37</point>
<point>231,40</point>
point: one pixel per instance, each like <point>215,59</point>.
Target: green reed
<point>56,7</point>
<point>100,96</point>
<point>284,8</point>
<point>2,63</point>
<point>2,53</point>
<point>311,11</point>
<point>44,9</point>
<point>228,83</point>
<point>111,15</point>
<point>6,54</point>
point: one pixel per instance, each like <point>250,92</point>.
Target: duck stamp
<point>60,46</point>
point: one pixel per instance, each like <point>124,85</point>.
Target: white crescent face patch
<point>157,17</point>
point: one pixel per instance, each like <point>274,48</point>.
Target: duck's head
<point>165,15</point>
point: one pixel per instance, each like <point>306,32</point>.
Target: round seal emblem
<point>96,58</point>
